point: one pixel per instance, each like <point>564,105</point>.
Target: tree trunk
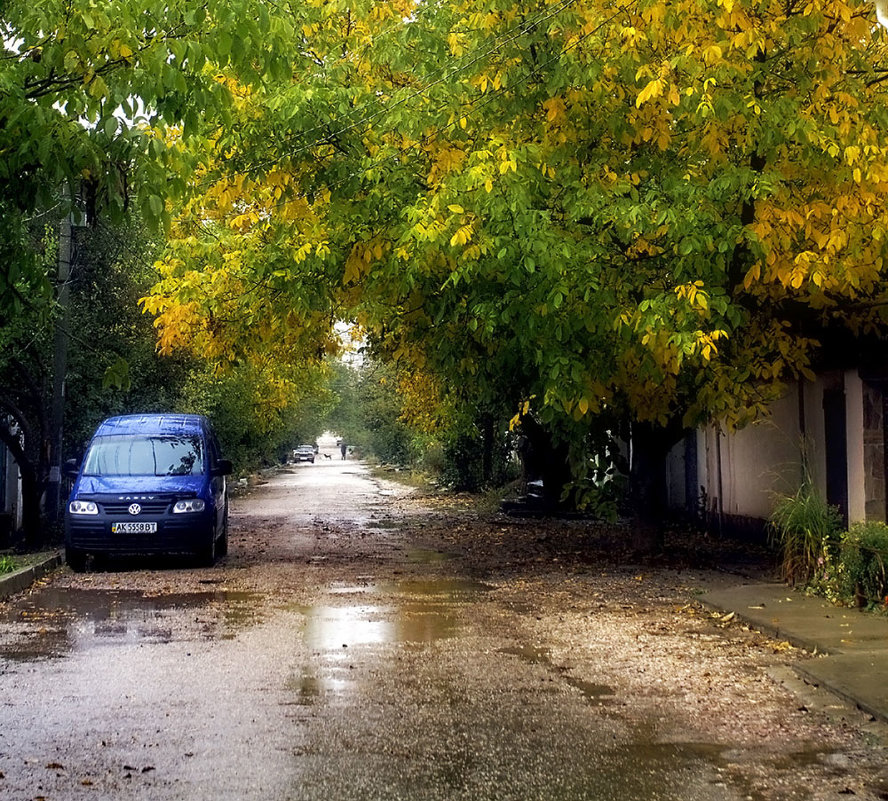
<point>647,480</point>
<point>487,429</point>
<point>32,491</point>
<point>34,473</point>
<point>546,459</point>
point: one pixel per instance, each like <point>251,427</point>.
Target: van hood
<point>128,485</point>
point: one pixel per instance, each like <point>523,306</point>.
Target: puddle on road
<point>413,612</point>
<point>55,621</point>
<point>422,612</point>
<point>427,556</point>
<point>450,590</point>
<point>538,655</point>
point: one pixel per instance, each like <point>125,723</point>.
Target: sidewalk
<point>852,646</point>
<point>11,583</point>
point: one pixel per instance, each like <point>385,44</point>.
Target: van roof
<point>177,424</point>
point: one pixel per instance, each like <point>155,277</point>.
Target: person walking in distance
<point>343,448</point>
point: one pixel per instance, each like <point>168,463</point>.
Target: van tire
<point>75,559</point>
<point>207,555</point>
<point>222,545</point>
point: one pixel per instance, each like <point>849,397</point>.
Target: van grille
<point>149,507</point>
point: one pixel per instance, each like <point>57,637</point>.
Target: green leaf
<point>156,204</point>
<point>117,376</point>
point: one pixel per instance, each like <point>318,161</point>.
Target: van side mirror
<point>71,468</point>
<point>223,468</point>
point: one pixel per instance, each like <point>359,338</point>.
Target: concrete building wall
<point>738,473</point>
<point>759,460</point>
<point>854,433</point>
<point>874,452</point>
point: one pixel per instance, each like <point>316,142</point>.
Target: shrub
<point>863,576</point>
<point>7,564</point>
<point>806,529</point>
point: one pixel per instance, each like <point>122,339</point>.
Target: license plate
<point>133,528</point>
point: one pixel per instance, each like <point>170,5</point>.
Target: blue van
<point>150,484</point>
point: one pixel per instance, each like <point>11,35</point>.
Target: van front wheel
<point>222,546</point>
<point>207,555</point>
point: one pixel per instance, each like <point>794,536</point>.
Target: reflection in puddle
<point>54,621</point>
<point>419,612</point>
<point>330,627</point>
<point>423,611</point>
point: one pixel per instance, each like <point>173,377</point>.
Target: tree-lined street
<point>583,221</point>
<point>363,643</point>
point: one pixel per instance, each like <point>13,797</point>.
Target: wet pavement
<point>358,644</point>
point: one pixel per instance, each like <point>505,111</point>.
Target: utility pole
<point>59,370</point>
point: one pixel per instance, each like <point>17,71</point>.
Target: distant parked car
<point>304,453</point>
<point>150,484</point>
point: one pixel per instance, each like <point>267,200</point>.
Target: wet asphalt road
<point>333,656</point>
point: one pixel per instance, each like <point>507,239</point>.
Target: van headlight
<point>83,508</point>
<point>191,505</point>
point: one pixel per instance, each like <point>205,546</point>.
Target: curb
<point>857,674</point>
<point>22,579</point>
<point>768,629</point>
<point>840,690</point>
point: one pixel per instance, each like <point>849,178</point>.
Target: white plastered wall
<point>740,472</point>
<point>854,438</point>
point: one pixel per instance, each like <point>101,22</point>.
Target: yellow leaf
<point>456,209</point>
<point>652,90</point>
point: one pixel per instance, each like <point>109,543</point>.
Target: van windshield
<point>145,456</point>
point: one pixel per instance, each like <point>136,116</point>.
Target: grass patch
<point>7,565</point>
<point>863,572</point>
<point>806,529</point>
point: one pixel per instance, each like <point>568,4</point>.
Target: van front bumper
<point>188,533</point>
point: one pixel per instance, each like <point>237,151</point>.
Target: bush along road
<point>361,642</point>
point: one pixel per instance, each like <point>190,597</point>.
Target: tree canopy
<point>577,210</point>
<point>588,206</point>
<point>82,84</point>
